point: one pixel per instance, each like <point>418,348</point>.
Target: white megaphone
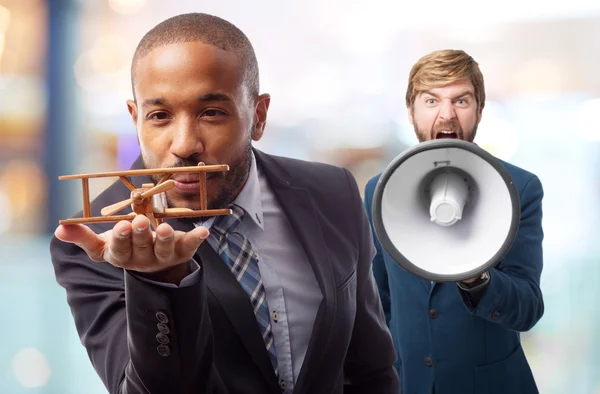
<point>446,210</point>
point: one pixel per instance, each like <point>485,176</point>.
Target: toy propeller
<point>137,197</point>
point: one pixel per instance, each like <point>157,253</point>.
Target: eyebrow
<point>214,97</point>
<point>208,97</point>
<point>154,101</point>
<point>462,94</point>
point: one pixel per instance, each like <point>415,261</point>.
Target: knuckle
<point>142,242</point>
<point>186,253</point>
<point>119,258</point>
<point>96,255</point>
<point>121,251</point>
<point>183,249</point>
<point>163,254</point>
<point>142,245</point>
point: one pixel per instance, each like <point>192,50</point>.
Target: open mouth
<point>446,134</point>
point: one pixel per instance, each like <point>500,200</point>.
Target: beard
<point>232,181</point>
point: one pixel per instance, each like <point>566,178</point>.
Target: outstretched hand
<point>133,246</point>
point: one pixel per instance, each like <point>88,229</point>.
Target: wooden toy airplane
<point>149,200</point>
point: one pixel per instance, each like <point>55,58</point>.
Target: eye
<point>461,101</point>
<point>159,116</point>
<point>430,101</point>
<point>211,113</point>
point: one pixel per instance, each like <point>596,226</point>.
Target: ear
<point>132,108</point>
<point>260,116</point>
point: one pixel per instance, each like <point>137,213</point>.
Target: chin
<point>185,203</point>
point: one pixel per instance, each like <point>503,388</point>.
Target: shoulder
<point>299,166</point>
<point>333,189</point>
<point>314,175</point>
<point>371,184</point>
<point>524,180</point>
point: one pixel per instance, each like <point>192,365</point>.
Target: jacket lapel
<point>427,284</point>
<point>234,301</point>
<point>225,288</point>
<point>302,214</point>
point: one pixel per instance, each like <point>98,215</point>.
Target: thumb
<point>83,237</point>
<point>189,242</point>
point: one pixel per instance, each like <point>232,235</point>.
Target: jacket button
<point>495,315</point>
<point>162,338</point>
<point>433,313</point>
<point>163,328</point>
<point>428,362</point>
<point>163,350</point>
<point>162,317</point>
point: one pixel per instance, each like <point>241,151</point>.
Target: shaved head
<point>207,29</point>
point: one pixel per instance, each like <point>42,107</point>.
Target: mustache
<point>191,162</point>
<point>187,162</point>
<point>449,125</point>
<point>194,163</point>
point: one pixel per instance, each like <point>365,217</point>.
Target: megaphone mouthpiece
<point>448,193</point>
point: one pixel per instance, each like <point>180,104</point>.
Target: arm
<point>122,338</point>
<point>379,270</point>
<point>369,366</point>
<point>512,297</point>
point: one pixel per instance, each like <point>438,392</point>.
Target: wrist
<point>475,282</point>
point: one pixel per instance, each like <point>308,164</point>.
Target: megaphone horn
<point>446,210</point>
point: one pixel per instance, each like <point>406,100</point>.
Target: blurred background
<point>337,73</point>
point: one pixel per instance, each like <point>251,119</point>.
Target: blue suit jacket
<point>468,350</point>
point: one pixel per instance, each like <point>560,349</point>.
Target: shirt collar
<point>249,198</point>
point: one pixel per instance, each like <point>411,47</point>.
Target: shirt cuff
<point>189,280</point>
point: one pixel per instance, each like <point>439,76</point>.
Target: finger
<point>186,244</point>
<point>119,244</point>
<point>142,239</point>
<point>84,237</point>
<point>165,243</point>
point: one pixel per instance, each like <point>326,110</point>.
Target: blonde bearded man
<point>463,337</point>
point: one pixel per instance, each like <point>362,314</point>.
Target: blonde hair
<point>441,68</point>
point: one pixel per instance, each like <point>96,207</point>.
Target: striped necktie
<point>235,250</point>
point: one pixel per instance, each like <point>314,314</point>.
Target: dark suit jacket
<point>441,338</point>
<point>210,346</point>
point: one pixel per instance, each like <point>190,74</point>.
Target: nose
<point>187,141</point>
<point>447,111</point>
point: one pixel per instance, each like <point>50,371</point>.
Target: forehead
<point>454,89</point>
<point>185,66</point>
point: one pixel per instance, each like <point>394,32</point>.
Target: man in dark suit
<point>463,337</point>
<point>277,297</point>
